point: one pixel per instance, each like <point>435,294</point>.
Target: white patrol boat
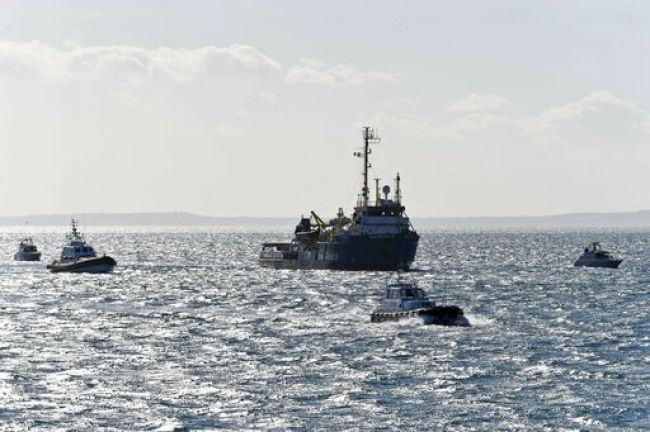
<point>405,300</point>
<point>78,256</point>
<point>27,251</point>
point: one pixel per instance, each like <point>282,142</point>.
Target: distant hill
<point>640,219</point>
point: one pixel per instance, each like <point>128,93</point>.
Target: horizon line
<point>189,213</point>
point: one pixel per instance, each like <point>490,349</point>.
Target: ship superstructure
<point>377,236</point>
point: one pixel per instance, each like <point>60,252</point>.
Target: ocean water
<point>190,334</point>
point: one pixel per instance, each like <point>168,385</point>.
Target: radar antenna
<point>75,232</point>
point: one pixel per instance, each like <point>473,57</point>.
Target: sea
<point>189,333</point>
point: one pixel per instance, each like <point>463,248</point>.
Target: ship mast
<point>370,136</point>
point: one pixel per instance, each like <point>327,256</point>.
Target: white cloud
<point>38,60</point>
<point>479,102</point>
<point>600,118</point>
<point>337,75</point>
<point>552,119</point>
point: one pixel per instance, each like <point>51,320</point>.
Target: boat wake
<point>479,321</point>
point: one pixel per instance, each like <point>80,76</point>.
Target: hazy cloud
<point>136,64</point>
<point>600,109</point>
<point>269,97</point>
<point>554,118</point>
<point>337,75</point>
<point>479,102</point>
<point>38,60</point>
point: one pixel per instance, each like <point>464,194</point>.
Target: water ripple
<point>190,334</point>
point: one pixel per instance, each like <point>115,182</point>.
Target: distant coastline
<point>639,219</point>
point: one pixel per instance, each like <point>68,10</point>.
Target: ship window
<point>77,249</point>
<point>407,293</point>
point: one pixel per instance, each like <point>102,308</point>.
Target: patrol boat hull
<point>439,315</point>
<point>103,264</point>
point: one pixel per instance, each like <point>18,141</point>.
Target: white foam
<point>479,321</point>
<point>170,426</point>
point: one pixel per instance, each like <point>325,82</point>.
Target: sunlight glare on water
<point>189,333</point>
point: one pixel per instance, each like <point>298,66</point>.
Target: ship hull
<point>279,263</point>
<point>353,253</point>
<point>610,263</point>
<point>103,264</point>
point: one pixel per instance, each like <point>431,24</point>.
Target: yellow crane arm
<point>318,220</point>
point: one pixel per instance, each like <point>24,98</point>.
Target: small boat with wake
<point>78,256</point>
<point>27,251</point>
<point>595,256</point>
<point>405,300</point>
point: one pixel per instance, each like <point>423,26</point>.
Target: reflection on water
<point>189,333</point>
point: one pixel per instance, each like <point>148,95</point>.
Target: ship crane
<point>318,220</point>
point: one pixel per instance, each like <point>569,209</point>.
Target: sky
<point>255,108</point>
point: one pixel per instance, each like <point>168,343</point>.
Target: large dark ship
<point>377,236</point>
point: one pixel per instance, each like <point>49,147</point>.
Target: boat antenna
<point>75,232</point>
<point>377,196</point>
<point>370,136</point>
<point>398,191</point>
